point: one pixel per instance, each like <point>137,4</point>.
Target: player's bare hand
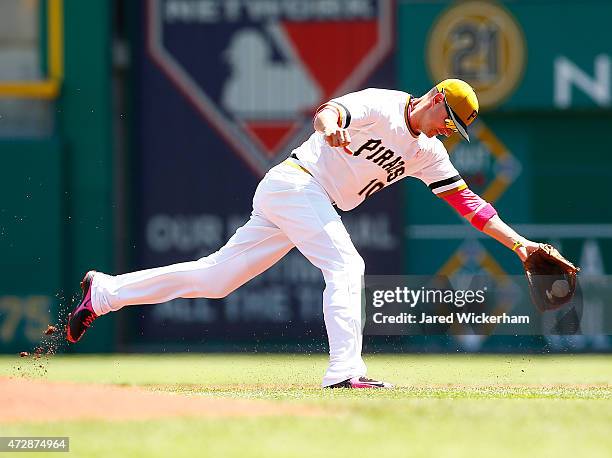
<point>526,249</point>
<point>337,137</point>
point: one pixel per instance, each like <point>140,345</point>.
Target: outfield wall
<point>161,167</point>
<point>538,151</point>
<point>57,207</point>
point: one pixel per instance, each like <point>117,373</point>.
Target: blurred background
<point>133,135</point>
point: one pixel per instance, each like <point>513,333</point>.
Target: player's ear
<point>438,98</point>
<point>435,99</point>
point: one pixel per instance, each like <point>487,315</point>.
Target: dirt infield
<point>25,399</point>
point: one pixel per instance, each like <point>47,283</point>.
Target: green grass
<point>445,406</point>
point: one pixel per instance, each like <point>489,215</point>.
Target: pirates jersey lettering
<point>384,157</point>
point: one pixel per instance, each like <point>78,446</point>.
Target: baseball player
<point>363,142</point>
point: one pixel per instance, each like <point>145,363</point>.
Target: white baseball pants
<point>289,209</point>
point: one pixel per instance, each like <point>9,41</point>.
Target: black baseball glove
<point>551,278</point>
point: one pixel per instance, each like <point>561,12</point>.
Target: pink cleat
<point>83,315</point>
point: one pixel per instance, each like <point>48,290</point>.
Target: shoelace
<point>89,319</point>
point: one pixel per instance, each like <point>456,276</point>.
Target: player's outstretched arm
<point>484,217</point>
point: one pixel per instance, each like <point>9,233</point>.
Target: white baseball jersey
<point>384,150</point>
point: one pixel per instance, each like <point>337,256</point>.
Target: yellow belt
<point>290,163</point>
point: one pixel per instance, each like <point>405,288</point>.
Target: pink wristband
<point>464,201</point>
<point>483,216</point>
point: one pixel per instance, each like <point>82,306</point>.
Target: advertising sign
<point>224,91</point>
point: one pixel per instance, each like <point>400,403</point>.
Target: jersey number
<point>372,187</point>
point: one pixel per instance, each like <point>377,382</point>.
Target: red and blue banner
<point>224,90</point>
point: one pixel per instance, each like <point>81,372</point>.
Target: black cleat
<point>361,382</point>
